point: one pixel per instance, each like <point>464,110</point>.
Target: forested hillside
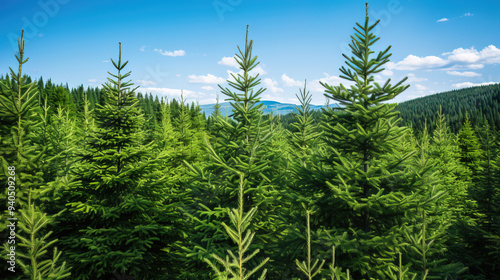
<point>106,183</point>
<point>481,104</point>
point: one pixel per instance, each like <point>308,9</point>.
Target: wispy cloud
<point>413,78</point>
<point>170,53</point>
<point>229,61</point>
<point>92,80</point>
<point>469,84</point>
<point>146,83</point>
<point>207,88</point>
<point>420,87</point>
<point>289,82</point>
<point>387,72</point>
<point>331,80</point>
<point>143,49</point>
<point>205,79</point>
<point>463,74</point>
<point>447,19</point>
<point>272,85</point>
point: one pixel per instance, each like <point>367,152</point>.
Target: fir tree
<point>469,145</point>
<point>117,221</point>
<point>369,190</point>
<point>17,101</point>
<point>33,246</point>
<point>246,151</point>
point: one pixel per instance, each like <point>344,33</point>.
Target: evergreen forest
<point>108,183</point>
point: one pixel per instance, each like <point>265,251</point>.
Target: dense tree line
<point>481,103</point>
<point>113,184</point>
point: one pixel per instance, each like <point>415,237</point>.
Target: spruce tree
<point>116,220</point>
<point>34,244</point>
<point>470,150</point>
<point>245,151</point>
<point>21,165</point>
<point>17,102</point>
<point>369,190</point>
<point>482,235</point>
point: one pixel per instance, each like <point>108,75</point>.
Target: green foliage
<point>117,220</point>
<point>306,268</point>
<point>17,102</point>
<point>34,245</point>
<point>246,148</point>
<point>469,145</point>
<point>139,187</point>
<point>235,265</point>
<point>370,188</point>
<point>482,103</point>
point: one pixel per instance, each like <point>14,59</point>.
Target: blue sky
<point>189,45</point>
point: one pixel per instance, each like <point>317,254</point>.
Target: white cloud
<point>413,62</point>
<point>331,80</point>
<point>469,84</point>
<point>387,72</point>
<point>105,61</point>
<point>271,85</point>
<point>463,74</point>
<point>464,66</point>
<point>468,15</point>
<point>207,88</point>
<point>488,55</point>
<point>257,70</point>
<point>207,79</point>
<point>457,59</point>
<point>443,19</point>
<point>289,82</point>
<point>169,53</point>
<point>413,78</point>
<point>146,83</point>
<point>143,49</point>
<point>178,75</point>
<point>229,61</point>
<point>92,80</point>
<point>464,55</point>
<point>254,72</point>
<point>420,87</point>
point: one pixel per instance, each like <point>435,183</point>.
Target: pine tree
<point>369,189</point>
<point>116,220</point>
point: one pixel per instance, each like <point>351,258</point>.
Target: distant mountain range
<point>269,106</point>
